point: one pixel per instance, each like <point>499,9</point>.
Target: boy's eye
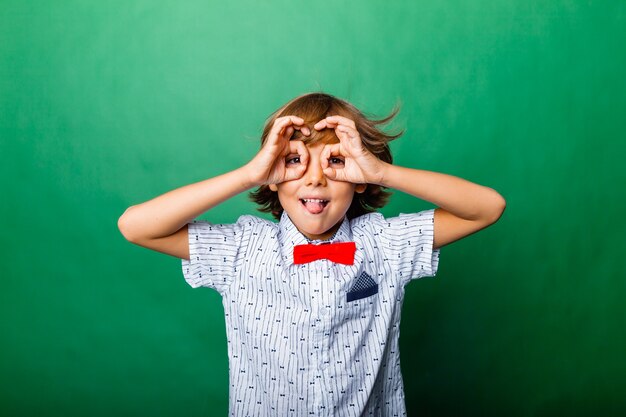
<point>335,160</point>
<point>293,160</point>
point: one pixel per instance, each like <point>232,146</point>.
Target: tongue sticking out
<point>314,207</point>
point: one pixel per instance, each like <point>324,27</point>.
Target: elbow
<point>498,207</point>
<point>124,224</point>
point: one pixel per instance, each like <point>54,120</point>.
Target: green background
<point>105,105</point>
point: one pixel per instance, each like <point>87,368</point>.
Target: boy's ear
<point>360,188</point>
<point>273,187</point>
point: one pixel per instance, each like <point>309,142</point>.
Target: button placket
<point>326,280</point>
<point>325,317</point>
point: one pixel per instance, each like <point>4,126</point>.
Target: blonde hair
<point>314,107</point>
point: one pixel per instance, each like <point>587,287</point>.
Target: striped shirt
<point>318,339</point>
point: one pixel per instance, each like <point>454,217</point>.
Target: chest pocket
<point>361,300</point>
<point>364,286</point>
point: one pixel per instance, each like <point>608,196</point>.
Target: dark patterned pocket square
<point>364,286</point>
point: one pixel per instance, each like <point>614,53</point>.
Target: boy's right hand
<point>276,161</point>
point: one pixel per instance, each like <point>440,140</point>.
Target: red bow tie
<point>341,253</point>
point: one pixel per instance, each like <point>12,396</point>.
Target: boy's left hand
<point>360,165</point>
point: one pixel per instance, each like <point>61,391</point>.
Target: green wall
<point>105,105</point>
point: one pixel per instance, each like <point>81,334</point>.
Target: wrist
<point>383,174</point>
<point>249,177</point>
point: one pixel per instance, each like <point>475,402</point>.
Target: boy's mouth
<point>314,205</point>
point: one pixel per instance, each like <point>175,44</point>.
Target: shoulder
<point>379,218</point>
<point>254,221</point>
<point>369,224</point>
<point>254,226</point>
<point>378,223</point>
<point>245,224</point>
<point>243,221</point>
<point>366,220</point>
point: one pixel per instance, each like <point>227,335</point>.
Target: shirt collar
<point>289,236</point>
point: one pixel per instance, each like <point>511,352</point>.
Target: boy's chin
<point>319,233</point>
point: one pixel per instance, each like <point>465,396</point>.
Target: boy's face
<point>316,220</point>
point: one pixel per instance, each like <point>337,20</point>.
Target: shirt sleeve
<point>408,244</point>
<point>215,251</point>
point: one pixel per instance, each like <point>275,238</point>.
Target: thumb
<point>330,173</point>
<point>294,173</point>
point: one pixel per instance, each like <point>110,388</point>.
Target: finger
<point>341,120</point>
<point>295,172</point>
<point>277,131</point>
<point>348,134</point>
<point>291,119</point>
<point>343,136</point>
<point>328,151</point>
<point>342,133</point>
<point>330,173</point>
<point>349,137</point>
<point>325,124</point>
<point>297,146</point>
<point>288,131</point>
<point>334,121</point>
<point>282,122</point>
<point>324,155</point>
<point>320,125</point>
<point>303,129</point>
<point>335,174</point>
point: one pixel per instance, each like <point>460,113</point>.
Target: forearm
<point>169,212</point>
<point>460,197</point>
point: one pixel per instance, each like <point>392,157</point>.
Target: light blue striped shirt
<point>319,339</point>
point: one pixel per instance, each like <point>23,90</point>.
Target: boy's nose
<point>314,174</point>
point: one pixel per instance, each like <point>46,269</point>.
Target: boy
<point>313,303</point>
